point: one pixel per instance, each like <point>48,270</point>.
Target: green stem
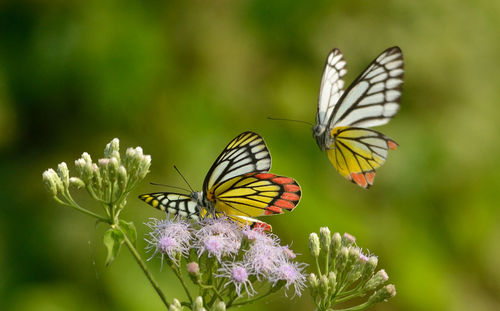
<point>73,204</point>
<point>254,299</point>
<point>355,308</point>
<point>178,274</point>
<point>144,268</point>
<point>348,297</point>
<point>317,266</point>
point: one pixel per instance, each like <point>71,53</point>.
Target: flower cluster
<point>225,260</point>
<point>347,273</point>
<point>109,181</point>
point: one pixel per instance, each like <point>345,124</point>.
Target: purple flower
<point>291,273</point>
<point>218,237</point>
<point>169,237</point>
<point>238,274</point>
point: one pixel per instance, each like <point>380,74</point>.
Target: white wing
<point>173,203</point>
<point>246,153</point>
<point>331,86</point>
<point>373,98</point>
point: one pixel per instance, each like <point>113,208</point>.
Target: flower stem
<point>177,273</point>
<point>355,308</point>
<point>72,204</point>
<point>252,300</point>
<point>144,268</point>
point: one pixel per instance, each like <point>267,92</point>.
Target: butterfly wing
<point>373,98</point>
<point>246,153</point>
<point>331,86</point>
<point>173,203</point>
<point>256,194</point>
<point>357,152</point>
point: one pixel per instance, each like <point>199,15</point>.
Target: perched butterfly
<point>344,117</point>
<point>237,185</point>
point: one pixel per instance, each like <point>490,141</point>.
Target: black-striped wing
<point>246,153</point>
<point>173,203</point>
<point>332,86</point>
<point>373,98</point>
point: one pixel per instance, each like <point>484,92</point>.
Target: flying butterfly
<point>343,117</point>
<point>237,185</point>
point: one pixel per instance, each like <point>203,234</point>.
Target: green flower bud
<point>104,170</point>
<point>198,304</point>
<point>325,237</point>
<point>113,168</point>
<point>221,306</point>
<point>313,282</point>
<point>324,286</point>
<point>63,172</point>
<point>175,305</point>
<point>332,280</point>
<point>369,267</point>
<point>96,177</point>
<point>342,259</point>
<point>144,165</point>
<point>348,239</point>
<point>378,279</point>
<point>383,294</point>
<point>114,145</point>
<point>49,180</point>
<point>122,178</point>
<point>335,246</point>
<point>76,182</point>
<point>314,245</point>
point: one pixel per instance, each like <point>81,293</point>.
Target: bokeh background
<point>182,78</point>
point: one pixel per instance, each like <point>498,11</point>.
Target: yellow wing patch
<point>357,152</point>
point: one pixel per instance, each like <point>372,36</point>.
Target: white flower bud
<point>314,246</point>
<point>76,182</point>
<point>383,294</point>
<point>63,172</point>
<point>378,279</point>
<point>122,178</point>
<point>114,145</point>
<point>198,304</point>
<point>50,182</point>
<point>325,238</point>
<point>348,239</point>
<point>175,305</point>
<point>220,306</point>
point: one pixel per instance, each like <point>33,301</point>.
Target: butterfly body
<point>344,117</point>
<point>237,185</point>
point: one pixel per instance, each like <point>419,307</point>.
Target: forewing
<point>173,203</point>
<point>247,153</point>
<point>332,86</point>
<point>373,98</point>
<point>357,152</point>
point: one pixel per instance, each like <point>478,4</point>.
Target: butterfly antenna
<point>163,185</point>
<point>185,180</point>
<point>291,120</point>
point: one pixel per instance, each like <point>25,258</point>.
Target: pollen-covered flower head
<point>237,274</point>
<point>169,237</point>
<point>218,237</point>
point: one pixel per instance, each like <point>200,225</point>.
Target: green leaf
<point>129,229</point>
<point>113,239</point>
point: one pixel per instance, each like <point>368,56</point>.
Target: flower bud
<point>335,246</point>
<point>220,306</point>
<point>342,259</point>
<point>96,177</point>
<point>325,238</point>
<point>369,267</point>
<point>63,172</point>
<point>114,145</point>
<point>104,170</point>
<point>323,286</point>
<point>332,280</point>
<point>76,182</point>
<point>175,305</point>
<point>312,279</point>
<point>348,239</point>
<point>113,168</point>
<point>50,182</point>
<point>378,279</point>
<point>314,244</point>
<point>86,157</point>
<point>122,178</point>
<point>144,165</point>
<point>383,294</point>
<point>198,304</point>
<point>193,268</point>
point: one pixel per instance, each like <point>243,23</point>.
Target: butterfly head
<point>319,135</point>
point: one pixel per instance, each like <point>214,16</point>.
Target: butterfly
<point>343,117</point>
<point>238,185</point>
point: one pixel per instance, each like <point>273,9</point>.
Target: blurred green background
<point>182,78</point>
